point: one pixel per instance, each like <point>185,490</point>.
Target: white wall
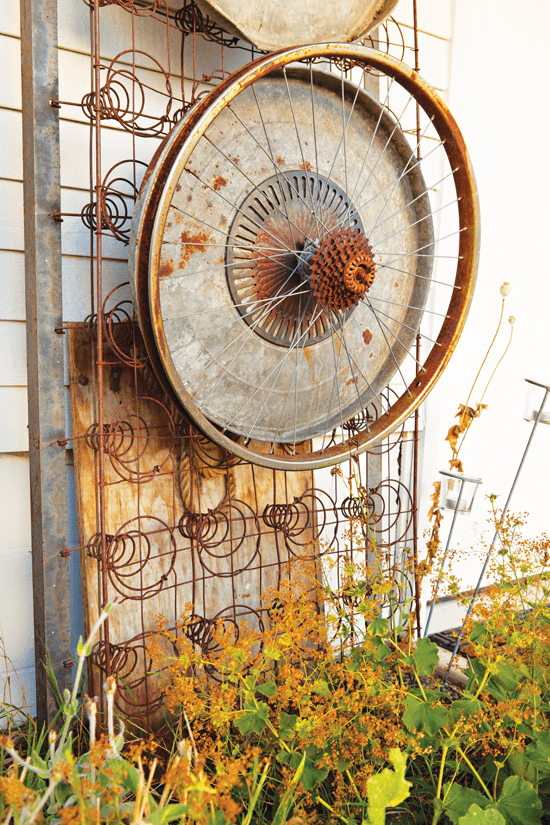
<point>498,94</point>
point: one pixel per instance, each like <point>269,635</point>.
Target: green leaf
<point>378,627</point>
<point>168,814</point>
<point>268,689</point>
<point>272,652</point>
<point>538,752</point>
<point>426,657</point>
<point>287,725</point>
<point>311,774</point>
<point>477,816</point>
<point>519,802</point>
<point>464,708</point>
<point>381,650</point>
<point>253,719</point>
<point>421,717</point>
<point>217,818</point>
<point>388,788</point>
<point>458,800</point>
<point>321,687</point>
<point>479,634</point>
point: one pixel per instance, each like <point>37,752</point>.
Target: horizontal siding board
<point>10,74</point>
<point>9,17</point>
<point>12,286</point>
<point>76,285</point>
<point>11,215</point>
<point>11,156</point>
<point>16,615</point>
<point>14,431</point>
<point>13,346</point>
<point>14,505</point>
<point>116,146</point>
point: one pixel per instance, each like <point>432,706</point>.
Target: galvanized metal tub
<point>277,25</point>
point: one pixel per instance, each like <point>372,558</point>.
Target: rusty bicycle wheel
<point>288,255</point>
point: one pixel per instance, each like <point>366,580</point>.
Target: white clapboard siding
<point>12,286</point>
<point>14,433</point>
<point>76,285</point>
<point>11,156</point>
<point>11,214</point>
<point>13,346</point>
<point>16,619</point>
<point>9,17</point>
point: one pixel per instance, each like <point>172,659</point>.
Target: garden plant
<point>335,712</point>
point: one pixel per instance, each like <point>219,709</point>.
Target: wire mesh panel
<point>171,523</point>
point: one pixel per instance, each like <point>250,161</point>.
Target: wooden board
<point>221,561</point>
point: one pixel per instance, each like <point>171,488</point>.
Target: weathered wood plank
<point>217,566</point>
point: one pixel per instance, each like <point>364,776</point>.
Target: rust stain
<point>166,269</point>
<point>306,166</point>
<point>367,336</point>
<point>192,243</point>
<point>219,181</point>
<point>280,160</point>
<point>371,355</point>
<point>395,283</point>
<point>223,220</point>
<point>178,187</point>
<point>235,160</point>
<point>189,197</point>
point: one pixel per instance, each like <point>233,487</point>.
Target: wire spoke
<point>389,347</point>
<point>412,156</point>
<point>361,373</point>
<point>238,264</point>
<point>423,277</point>
<point>335,385</point>
<point>410,226</point>
<point>426,246</point>
<point>299,351</point>
<point>424,194</point>
<point>278,171</point>
<point>246,332</point>
<point>407,350</point>
<point>232,162</point>
<point>300,145</point>
<point>373,138</point>
<point>239,245</point>
<point>278,367</point>
<point>408,306</point>
<point>241,212</point>
<point>401,324</point>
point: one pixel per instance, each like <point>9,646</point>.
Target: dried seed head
<point>110,686</point>
<point>505,289</point>
<point>512,320</point>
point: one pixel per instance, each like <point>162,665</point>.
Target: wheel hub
<point>298,246</point>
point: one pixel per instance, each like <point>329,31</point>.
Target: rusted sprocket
<point>342,269</point>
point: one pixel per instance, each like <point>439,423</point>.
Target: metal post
<point>45,348</point>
